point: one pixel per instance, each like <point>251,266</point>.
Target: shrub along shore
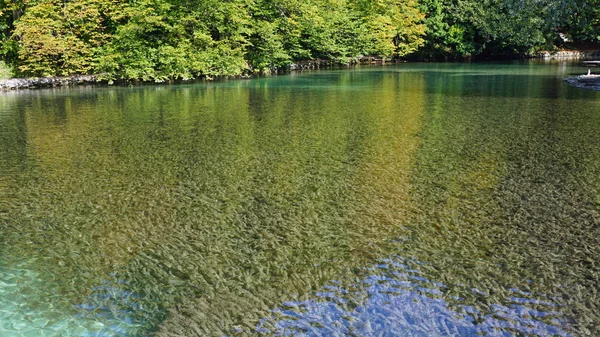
<point>167,40</point>
<point>58,81</point>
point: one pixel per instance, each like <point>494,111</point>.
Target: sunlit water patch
<point>27,309</point>
<point>396,299</point>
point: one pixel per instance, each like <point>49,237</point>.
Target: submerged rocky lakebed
<point>406,200</point>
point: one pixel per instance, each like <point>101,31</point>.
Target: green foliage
<point>394,27</point>
<point>9,12</point>
<point>180,39</point>
<point>5,71</point>
<point>464,28</point>
<point>268,50</point>
<point>583,23</point>
<point>447,36</point>
<point>169,39</point>
<point>508,26</point>
<point>61,38</point>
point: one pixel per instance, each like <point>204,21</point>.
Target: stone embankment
<point>46,82</point>
<point>568,54</point>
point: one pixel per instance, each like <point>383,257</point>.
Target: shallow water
<point>409,200</point>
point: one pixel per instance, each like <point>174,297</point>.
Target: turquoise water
<point>409,200</point>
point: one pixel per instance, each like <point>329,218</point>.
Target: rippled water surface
<point>409,200</point>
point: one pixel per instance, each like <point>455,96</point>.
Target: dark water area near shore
<point>405,200</point>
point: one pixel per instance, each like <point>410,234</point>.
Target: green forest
<point>183,39</point>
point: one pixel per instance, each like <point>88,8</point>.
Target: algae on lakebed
<point>202,209</point>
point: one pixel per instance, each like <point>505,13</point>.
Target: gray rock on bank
<point>568,54</point>
<point>585,81</point>
<point>46,82</point>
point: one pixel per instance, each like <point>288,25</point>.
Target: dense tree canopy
<point>464,28</point>
<point>179,39</point>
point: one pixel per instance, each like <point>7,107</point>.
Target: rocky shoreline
<point>568,54</point>
<point>47,82</point>
<point>585,81</point>
<point>50,82</point>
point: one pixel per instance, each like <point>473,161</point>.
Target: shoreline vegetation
<point>56,42</point>
<point>12,83</point>
<point>7,84</point>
